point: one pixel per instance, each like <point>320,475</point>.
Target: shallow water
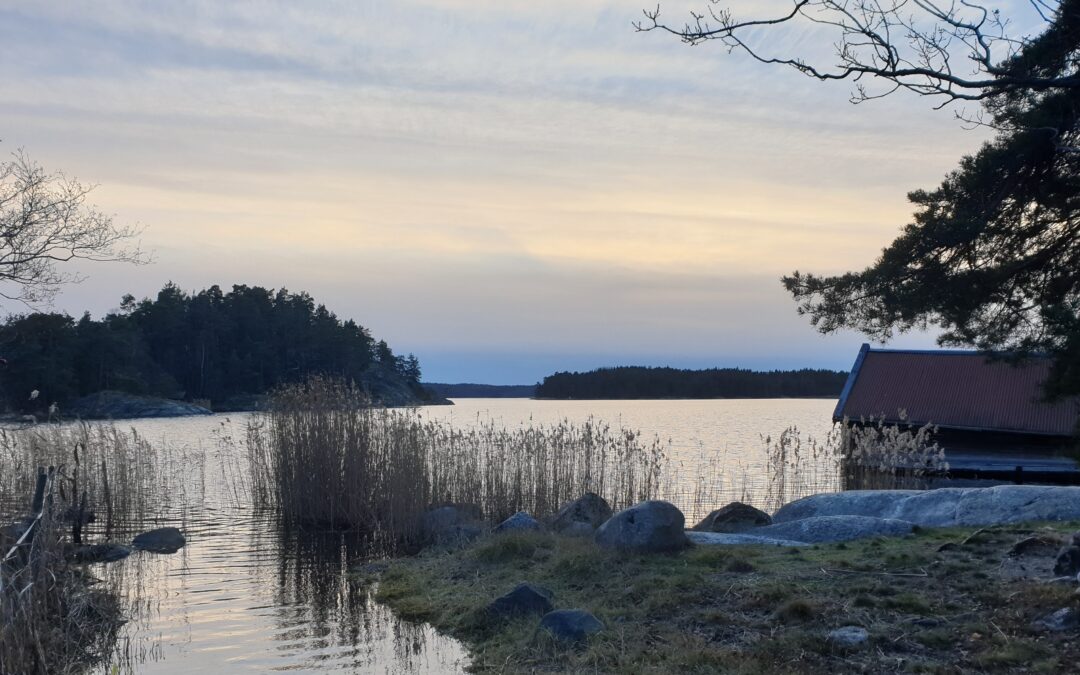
<point>244,596</point>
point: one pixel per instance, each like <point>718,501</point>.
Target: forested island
<point>629,382</point>
<point>222,349</point>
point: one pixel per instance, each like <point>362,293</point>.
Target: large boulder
<point>821,529</point>
<point>590,508</point>
<point>453,523</point>
<point>524,599</point>
<point>735,517</point>
<point>570,625</point>
<point>649,527</point>
<point>161,540</point>
<point>519,522</point>
<point>944,507</point>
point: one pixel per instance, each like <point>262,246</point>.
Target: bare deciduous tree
<point>45,220</point>
<point>956,50</point>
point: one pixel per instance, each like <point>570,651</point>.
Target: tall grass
<point>52,619</point>
<point>322,454</point>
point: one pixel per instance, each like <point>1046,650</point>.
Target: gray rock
<point>1065,618</point>
<point>1067,562</point>
<point>570,625</point>
<point>944,507</point>
<point>98,553</point>
<point>578,529</point>
<point>848,637</point>
<point>518,522</point>
<point>119,405</point>
<point>589,508</point>
<point>735,539</point>
<point>649,527</point>
<point>454,523</point>
<point>524,599</point>
<point>820,529</point>
<point>735,517</point>
<point>161,540</point>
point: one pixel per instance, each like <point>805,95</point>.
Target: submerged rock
<point>590,508</point>
<point>98,553</point>
<point>571,625</point>
<point>520,521</point>
<point>649,527</point>
<point>524,599</point>
<point>822,529</point>
<point>735,517</point>
<point>161,540</point>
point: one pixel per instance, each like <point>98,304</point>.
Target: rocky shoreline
<point>830,574</point>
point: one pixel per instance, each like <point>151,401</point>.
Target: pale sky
<point>503,188</point>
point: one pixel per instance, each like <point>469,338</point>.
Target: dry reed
<point>102,482</point>
<point>322,454</point>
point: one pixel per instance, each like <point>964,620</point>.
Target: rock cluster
<point>568,626</point>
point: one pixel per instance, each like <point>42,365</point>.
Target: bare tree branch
<point>909,44</point>
<point>45,220</point>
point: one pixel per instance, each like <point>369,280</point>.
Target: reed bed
<point>868,455</point>
<point>322,454</point>
<point>100,481</point>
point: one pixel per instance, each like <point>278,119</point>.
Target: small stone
<point>1068,561</point>
<point>1065,618</point>
<point>161,540</point>
<point>524,599</point>
<point>735,517</point>
<point>571,625</point>
<point>1036,545</point>
<point>520,521</point>
<point>848,637</point>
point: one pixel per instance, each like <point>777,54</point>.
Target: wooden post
<point>39,492</point>
<point>1018,476</point>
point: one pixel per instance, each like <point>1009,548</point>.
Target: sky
<point>505,189</point>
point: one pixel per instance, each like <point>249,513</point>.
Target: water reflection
<point>247,596</point>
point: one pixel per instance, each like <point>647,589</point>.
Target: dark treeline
<point>471,390</point>
<point>223,347</point>
<point>641,382</point>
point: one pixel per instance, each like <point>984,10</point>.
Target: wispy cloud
<point>455,173</point>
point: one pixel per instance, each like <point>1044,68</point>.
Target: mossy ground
<point>751,609</point>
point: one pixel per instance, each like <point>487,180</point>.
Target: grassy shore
<point>941,601</point>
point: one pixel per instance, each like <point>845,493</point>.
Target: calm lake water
<point>243,596</point>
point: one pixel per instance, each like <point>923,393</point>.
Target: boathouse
<point>991,416</point>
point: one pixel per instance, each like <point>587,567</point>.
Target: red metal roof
<point>959,390</point>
